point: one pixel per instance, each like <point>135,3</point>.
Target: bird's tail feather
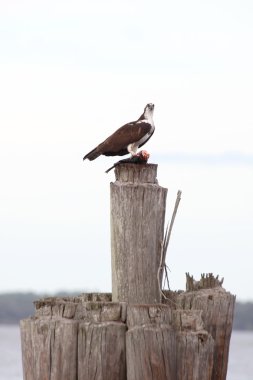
<point>92,154</point>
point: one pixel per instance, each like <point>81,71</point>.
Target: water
<point>240,358</point>
<point>240,366</point>
<point>10,353</point>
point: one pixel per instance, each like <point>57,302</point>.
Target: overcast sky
<point>73,72</point>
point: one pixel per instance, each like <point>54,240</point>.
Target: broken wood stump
<point>217,307</point>
<point>100,339</point>
<point>70,339</point>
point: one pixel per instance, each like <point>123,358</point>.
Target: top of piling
<point>136,173</point>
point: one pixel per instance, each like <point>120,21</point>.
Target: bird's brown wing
<point>117,143</point>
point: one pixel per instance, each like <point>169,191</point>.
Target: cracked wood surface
<point>137,227</point>
<point>131,335</point>
<point>72,338</point>
<point>217,307</point>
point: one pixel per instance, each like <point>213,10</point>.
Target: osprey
<point>128,138</point>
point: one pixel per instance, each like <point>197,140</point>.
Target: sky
<point>73,72</point>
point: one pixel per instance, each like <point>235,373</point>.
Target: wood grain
<point>151,353</point>
<point>131,335</point>
<point>217,307</point>
<point>102,351</point>
<point>49,349</point>
<point>137,229</point>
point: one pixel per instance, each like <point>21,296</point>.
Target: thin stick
<point>165,244</point>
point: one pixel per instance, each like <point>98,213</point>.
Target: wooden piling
<point>194,348</point>
<point>132,334</point>
<point>138,206</point>
<point>49,349</point>
<point>217,307</point>
<point>150,343</point>
<point>70,339</point>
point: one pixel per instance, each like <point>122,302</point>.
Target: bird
<point>128,138</point>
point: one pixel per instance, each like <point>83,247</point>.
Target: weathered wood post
<point>217,306</point>
<point>138,207</point>
<point>132,334</point>
<point>75,338</point>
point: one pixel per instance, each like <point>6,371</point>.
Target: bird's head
<point>149,109</point>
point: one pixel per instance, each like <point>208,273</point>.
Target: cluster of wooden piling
<point>133,333</point>
<point>91,337</point>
